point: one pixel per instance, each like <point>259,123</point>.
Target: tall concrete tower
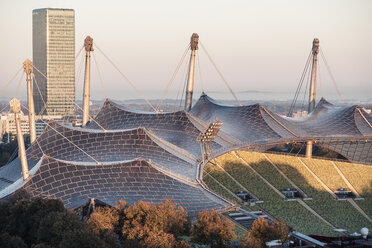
<point>53,36</point>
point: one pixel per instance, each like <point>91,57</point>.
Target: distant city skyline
<point>259,46</point>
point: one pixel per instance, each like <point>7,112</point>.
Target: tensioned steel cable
<point>41,96</point>
<point>6,106</point>
<point>77,55</point>
<point>77,78</point>
<point>67,139</point>
<point>365,119</point>
<point>41,149</point>
<point>127,79</point>
<point>2,91</point>
<point>319,81</point>
<point>12,156</point>
<point>331,74</point>
<point>200,73</point>
<point>219,73</point>
<point>19,84</point>
<point>90,117</point>
<point>173,77</point>
<point>302,145</point>
<point>182,85</point>
<point>299,86</point>
<point>306,88</point>
<point>80,69</point>
<point>99,75</point>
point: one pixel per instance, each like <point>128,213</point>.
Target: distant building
<point>7,123</point>
<point>300,114</point>
<point>53,36</point>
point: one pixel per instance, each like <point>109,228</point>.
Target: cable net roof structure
<point>346,130</point>
<point>133,155</point>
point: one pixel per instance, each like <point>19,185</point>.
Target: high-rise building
<point>53,36</point>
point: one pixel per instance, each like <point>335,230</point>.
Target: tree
<point>211,229</point>
<point>41,245</point>
<point>155,225</point>
<point>82,239</point>
<point>182,244</point>
<point>135,220</point>
<point>103,219</point>
<point>7,241</point>
<point>262,232</point>
<point>169,218</point>
<point>42,223</point>
<point>159,239</point>
<point>56,227</point>
<point>103,222</point>
<point>26,215</point>
<point>282,231</point>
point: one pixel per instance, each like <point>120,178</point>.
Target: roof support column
<point>27,66</point>
<point>15,106</point>
<point>312,91</point>
<point>309,149</point>
<point>190,81</point>
<point>88,43</point>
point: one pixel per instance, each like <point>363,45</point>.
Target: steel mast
<point>88,44</point>
<point>16,107</point>
<point>190,81</point>
<point>312,91</point>
<point>27,66</point>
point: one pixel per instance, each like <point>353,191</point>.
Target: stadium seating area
<point>360,176</point>
<point>265,169</point>
<point>341,214</point>
<point>213,173</point>
<point>325,170</point>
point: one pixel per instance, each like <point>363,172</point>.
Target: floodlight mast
<point>16,107</point>
<point>312,91</point>
<point>88,44</point>
<point>206,138</point>
<point>190,80</point>
<point>27,66</point>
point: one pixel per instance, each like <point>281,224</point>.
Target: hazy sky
<point>257,45</point>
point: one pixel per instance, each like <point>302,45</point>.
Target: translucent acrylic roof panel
<point>174,127</point>
<point>130,181</point>
<point>81,145</point>
<point>243,122</point>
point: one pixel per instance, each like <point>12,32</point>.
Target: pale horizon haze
<point>257,45</point>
